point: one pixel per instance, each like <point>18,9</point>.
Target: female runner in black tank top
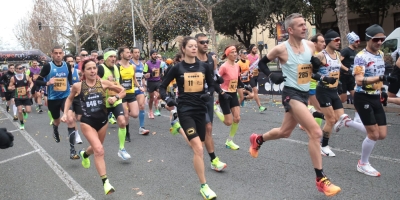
<point>94,119</point>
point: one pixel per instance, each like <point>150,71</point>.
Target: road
<point>161,165</point>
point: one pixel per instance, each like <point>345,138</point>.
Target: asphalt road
<point>161,165</point>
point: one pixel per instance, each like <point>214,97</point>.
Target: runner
<point>128,81</point>
<point>254,59</point>
<point>58,80</point>
<point>139,89</point>
<point>92,94</point>
<point>36,94</point>
<point>5,79</point>
<point>394,87</point>
<point>108,71</point>
<point>244,90</point>
<point>202,48</point>
<point>75,111</point>
<point>369,70</point>
<point>22,85</point>
<point>295,54</point>
<point>190,75</point>
<point>152,73</point>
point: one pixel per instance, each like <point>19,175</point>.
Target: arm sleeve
<point>262,65</point>
<point>43,73</point>
<point>210,78</point>
<point>100,71</point>
<point>166,80</point>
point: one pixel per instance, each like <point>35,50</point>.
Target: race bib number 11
<point>194,81</point>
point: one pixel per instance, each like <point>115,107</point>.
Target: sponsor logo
<point>190,131</point>
<point>366,106</point>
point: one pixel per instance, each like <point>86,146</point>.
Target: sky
<point>11,12</point>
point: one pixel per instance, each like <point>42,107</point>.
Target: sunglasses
<point>20,68</point>
<point>84,55</point>
<point>204,42</point>
<point>357,41</point>
<point>245,53</point>
<point>335,39</point>
<point>378,39</point>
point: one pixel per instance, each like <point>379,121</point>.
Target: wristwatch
<point>117,96</point>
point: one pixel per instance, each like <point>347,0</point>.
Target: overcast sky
<point>11,12</point>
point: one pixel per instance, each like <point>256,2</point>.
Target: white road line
<point>13,158</point>
<point>64,176</point>
<point>395,160</point>
<point>73,198</point>
<point>3,118</point>
<point>14,131</point>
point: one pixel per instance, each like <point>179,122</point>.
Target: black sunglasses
<point>378,39</point>
<point>245,53</point>
<point>204,42</point>
<point>20,68</point>
<point>84,55</point>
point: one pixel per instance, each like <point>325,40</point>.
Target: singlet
<point>93,100</point>
<point>127,81</point>
<point>244,71</point>
<point>139,73</point>
<point>370,65</point>
<point>116,75</point>
<point>331,68</point>
<point>75,76</point>
<point>253,64</point>
<point>61,88</point>
<point>154,69</point>
<point>21,87</point>
<point>313,83</point>
<point>230,75</point>
<point>298,68</point>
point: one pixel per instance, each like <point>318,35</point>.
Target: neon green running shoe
<point>231,145</point>
<point>207,193</point>
<point>112,120</point>
<point>22,127</point>
<point>108,188</point>
<point>157,113</point>
<point>262,109</point>
<point>85,161</point>
<point>51,122</point>
<point>175,126</point>
<point>217,165</point>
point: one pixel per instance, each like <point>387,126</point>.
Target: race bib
<point>112,92</point>
<point>156,72</point>
<point>377,85</point>
<point>334,75</point>
<point>255,72</point>
<point>245,77</point>
<point>232,86</point>
<point>60,84</point>
<point>127,84</point>
<point>194,81</point>
<point>21,91</point>
<point>94,103</point>
<point>304,73</point>
<point>35,76</point>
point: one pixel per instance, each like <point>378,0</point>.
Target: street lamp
<point>133,25</point>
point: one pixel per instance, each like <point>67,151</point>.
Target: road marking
<point>14,131</point>
<point>3,118</point>
<point>64,176</point>
<point>25,154</point>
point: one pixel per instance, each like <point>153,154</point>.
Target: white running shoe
<point>123,154</point>
<point>367,169</point>
<point>326,151</point>
<point>143,131</point>
<point>341,122</point>
<point>78,139</point>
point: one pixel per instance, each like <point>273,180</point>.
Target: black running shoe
<point>73,155</point>
<point>56,135</point>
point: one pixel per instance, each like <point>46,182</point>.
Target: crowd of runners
<point>96,90</point>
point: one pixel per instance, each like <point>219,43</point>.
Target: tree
<point>242,25</point>
<point>207,6</point>
<point>343,23</point>
<point>319,7</point>
<point>377,11</point>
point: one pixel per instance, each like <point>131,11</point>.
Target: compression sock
<point>367,147</point>
<point>234,128</point>
<point>121,137</point>
<point>141,118</point>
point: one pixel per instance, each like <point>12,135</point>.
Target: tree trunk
<point>98,42</point>
<point>343,23</point>
<point>212,30</point>
<point>150,38</point>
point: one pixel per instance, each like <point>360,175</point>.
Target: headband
<point>109,53</point>
<point>229,49</point>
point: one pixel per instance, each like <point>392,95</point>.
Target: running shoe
<point>22,127</point>
<point>108,188</point>
<point>175,125</point>
<point>73,155</point>
<point>56,135</point>
<point>367,169</point>
<point>157,113</point>
<point>162,104</point>
<point>112,120</point>
<point>326,151</point>
<point>78,139</point>
<point>128,137</point>
<point>123,154</point>
<point>151,115</point>
<point>37,108</point>
<point>207,193</point>
<point>40,111</point>
<point>341,122</point>
<point>254,146</point>
<point>85,161</point>
<point>15,118</point>
<point>242,104</point>
<point>325,186</point>
<point>143,131</point>
<point>262,109</point>
<point>217,165</point>
<point>51,122</point>
<point>231,145</point>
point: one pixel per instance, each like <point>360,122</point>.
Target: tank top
<point>75,76</point>
<point>21,87</point>
<point>370,65</point>
<point>298,68</point>
<point>138,73</point>
<point>230,75</point>
<point>331,68</point>
<point>244,68</point>
<point>61,88</point>
<point>154,69</point>
<point>93,100</point>
<point>127,80</point>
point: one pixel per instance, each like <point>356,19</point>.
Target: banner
<point>266,87</point>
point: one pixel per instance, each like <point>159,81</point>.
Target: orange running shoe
<point>254,146</point>
<point>329,189</point>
